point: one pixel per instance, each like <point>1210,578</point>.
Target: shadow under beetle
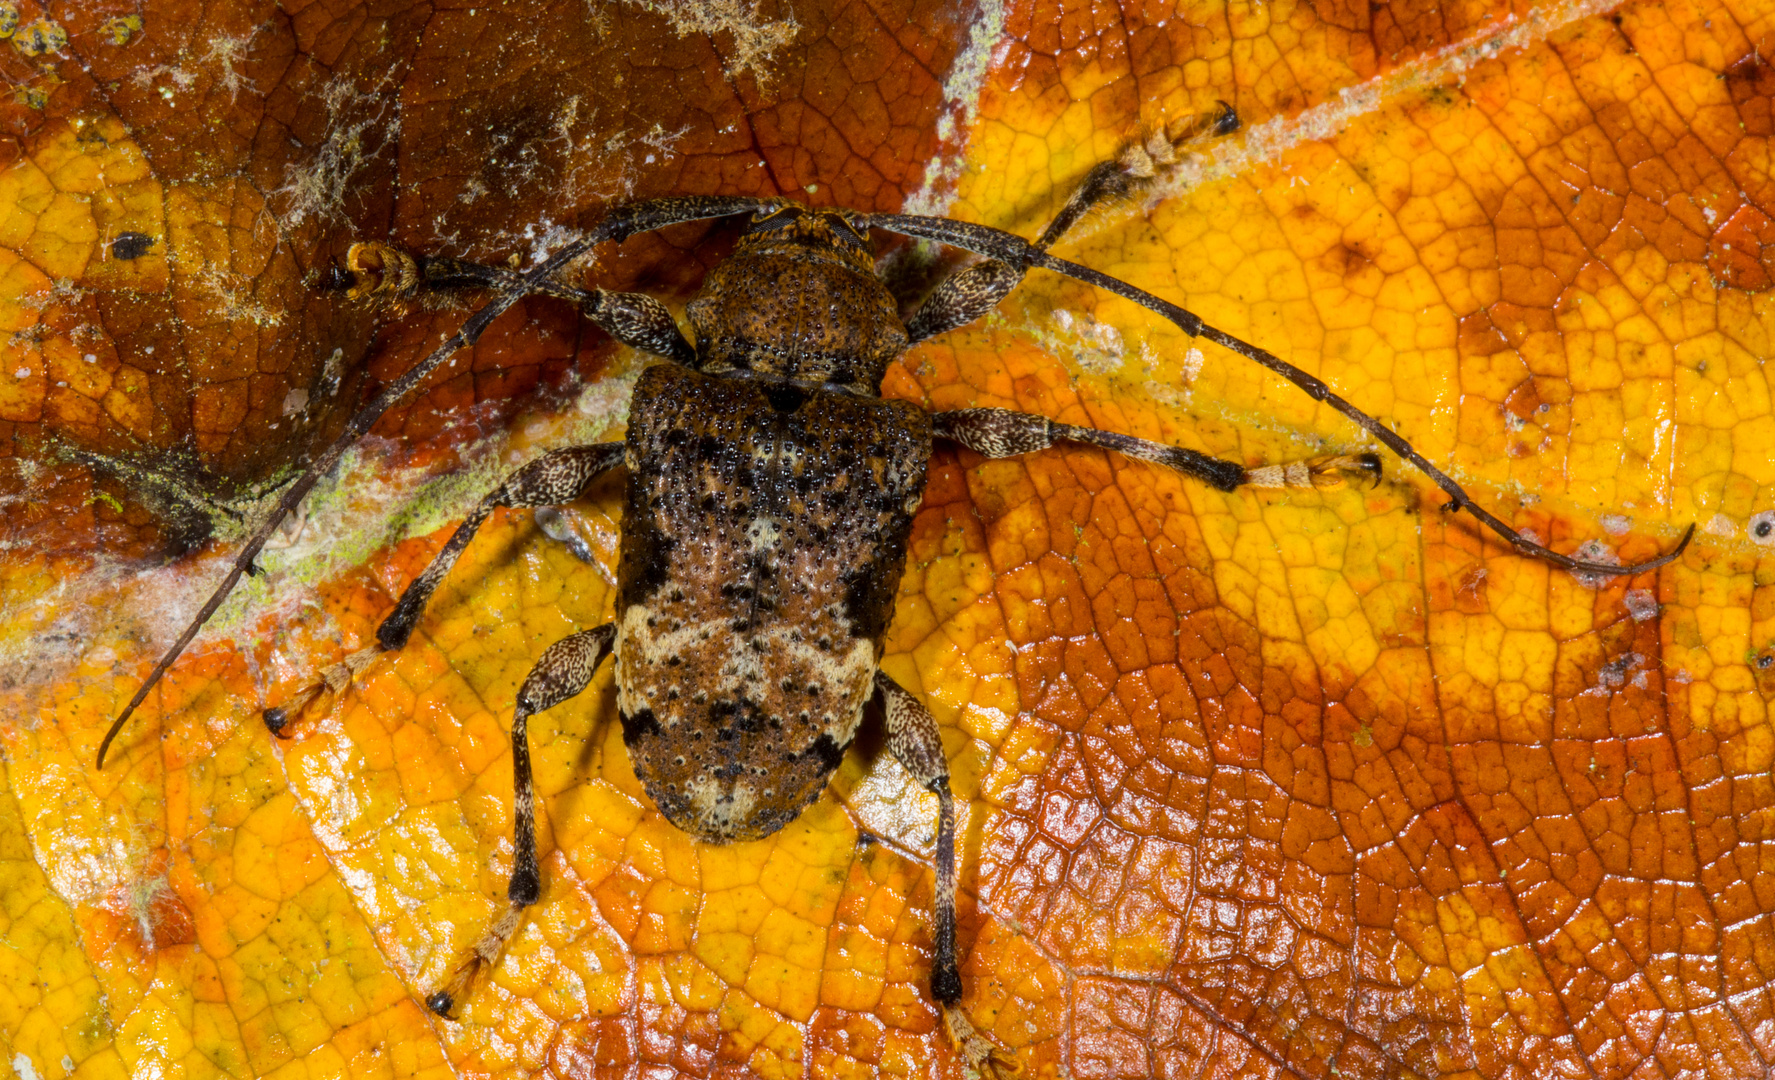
<point>770,495</point>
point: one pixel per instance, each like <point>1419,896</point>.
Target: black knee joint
<point>392,635</point>
<point>1223,475</point>
<point>526,887</point>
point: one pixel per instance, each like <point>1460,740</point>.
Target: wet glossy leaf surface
<point>1307,784</point>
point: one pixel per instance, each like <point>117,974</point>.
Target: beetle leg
<point>961,298</point>
<point>1136,166</point>
<point>554,478</point>
<point>634,319</point>
<point>565,669</point>
<point>913,740</point>
<point>999,433</point>
<point>1014,250</point>
<point>970,293</point>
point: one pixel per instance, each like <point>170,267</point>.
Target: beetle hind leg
<point>565,669</point>
<point>913,740</point>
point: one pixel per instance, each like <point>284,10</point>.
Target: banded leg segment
<point>970,293</point>
<point>565,669</point>
<point>554,478</point>
<point>999,433</point>
<point>961,298</point>
<point>913,739</point>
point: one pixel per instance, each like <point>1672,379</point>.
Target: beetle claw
<point>443,1001</point>
<point>1338,469</point>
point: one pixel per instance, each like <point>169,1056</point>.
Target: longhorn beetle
<point>770,496</point>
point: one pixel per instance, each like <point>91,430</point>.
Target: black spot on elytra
<point>646,551</point>
<point>638,725</point>
<point>870,590</point>
<point>826,752</point>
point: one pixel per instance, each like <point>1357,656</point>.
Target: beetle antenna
<point>361,422</point>
<point>1013,250</point>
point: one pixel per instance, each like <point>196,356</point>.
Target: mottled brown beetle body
<point>762,543</point>
<point>769,501</point>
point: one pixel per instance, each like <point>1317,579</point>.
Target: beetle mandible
<point>770,494</point>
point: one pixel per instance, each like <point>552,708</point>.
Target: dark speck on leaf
<point>131,245</point>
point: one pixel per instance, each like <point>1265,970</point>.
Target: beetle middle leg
<point>999,433</point>
<point>565,669</point>
<point>913,739</point>
<point>552,479</point>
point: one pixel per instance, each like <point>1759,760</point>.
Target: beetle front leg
<point>635,319</point>
<point>970,293</point>
<point>999,433</point>
<point>552,479</point>
<point>565,669</point>
<point>913,740</point>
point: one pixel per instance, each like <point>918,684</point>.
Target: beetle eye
<point>848,233</point>
<point>773,220</point>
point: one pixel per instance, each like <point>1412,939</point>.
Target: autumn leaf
<point>1303,784</point>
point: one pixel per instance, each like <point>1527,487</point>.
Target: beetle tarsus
<point>981,1054</point>
<point>335,679</point>
<point>1322,472</point>
<point>276,720</point>
<point>486,954</point>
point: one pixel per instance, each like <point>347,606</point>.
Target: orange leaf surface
<point>1251,784</point>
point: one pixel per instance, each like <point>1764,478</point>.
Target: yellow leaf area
<point>1308,783</point>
